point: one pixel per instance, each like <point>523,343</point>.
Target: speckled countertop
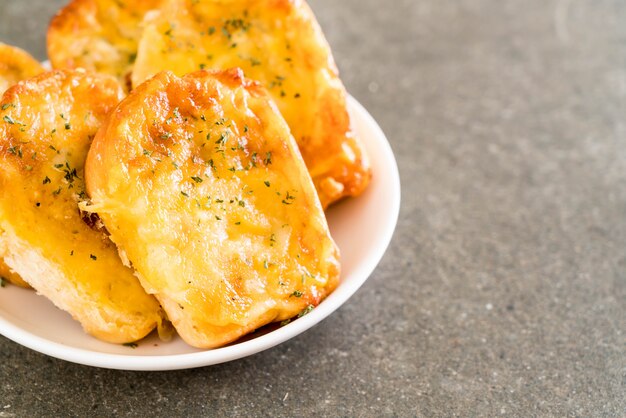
<point>504,289</point>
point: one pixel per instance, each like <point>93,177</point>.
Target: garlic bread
<point>47,124</point>
<point>202,187</point>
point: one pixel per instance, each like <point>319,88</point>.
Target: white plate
<point>362,227</point>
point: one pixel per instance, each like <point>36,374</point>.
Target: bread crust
<point>280,44</point>
<point>203,188</point>
<point>98,35</point>
<point>47,124</point>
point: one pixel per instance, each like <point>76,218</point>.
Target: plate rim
<point>233,352</point>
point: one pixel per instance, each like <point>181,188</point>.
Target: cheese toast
<point>203,188</point>
<point>47,124</point>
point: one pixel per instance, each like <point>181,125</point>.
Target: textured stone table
<point>504,289</point>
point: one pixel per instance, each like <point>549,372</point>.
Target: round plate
<point>362,228</point>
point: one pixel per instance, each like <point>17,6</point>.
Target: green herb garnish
<point>306,311</point>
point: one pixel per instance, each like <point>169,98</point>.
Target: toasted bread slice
<point>46,127</point>
<point>16,65</point>
<point>280,44</point>
<point>98,35</point>
<point>204,189</point>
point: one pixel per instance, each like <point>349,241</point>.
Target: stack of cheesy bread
<point>175,165</point>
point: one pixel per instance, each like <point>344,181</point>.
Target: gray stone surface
<point>504,289</point>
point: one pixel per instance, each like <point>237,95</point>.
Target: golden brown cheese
<point>98,35</point>
<point>46,127</point>
<point>280,44</point>
<point>203,188</point>
<point>15,65</point>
